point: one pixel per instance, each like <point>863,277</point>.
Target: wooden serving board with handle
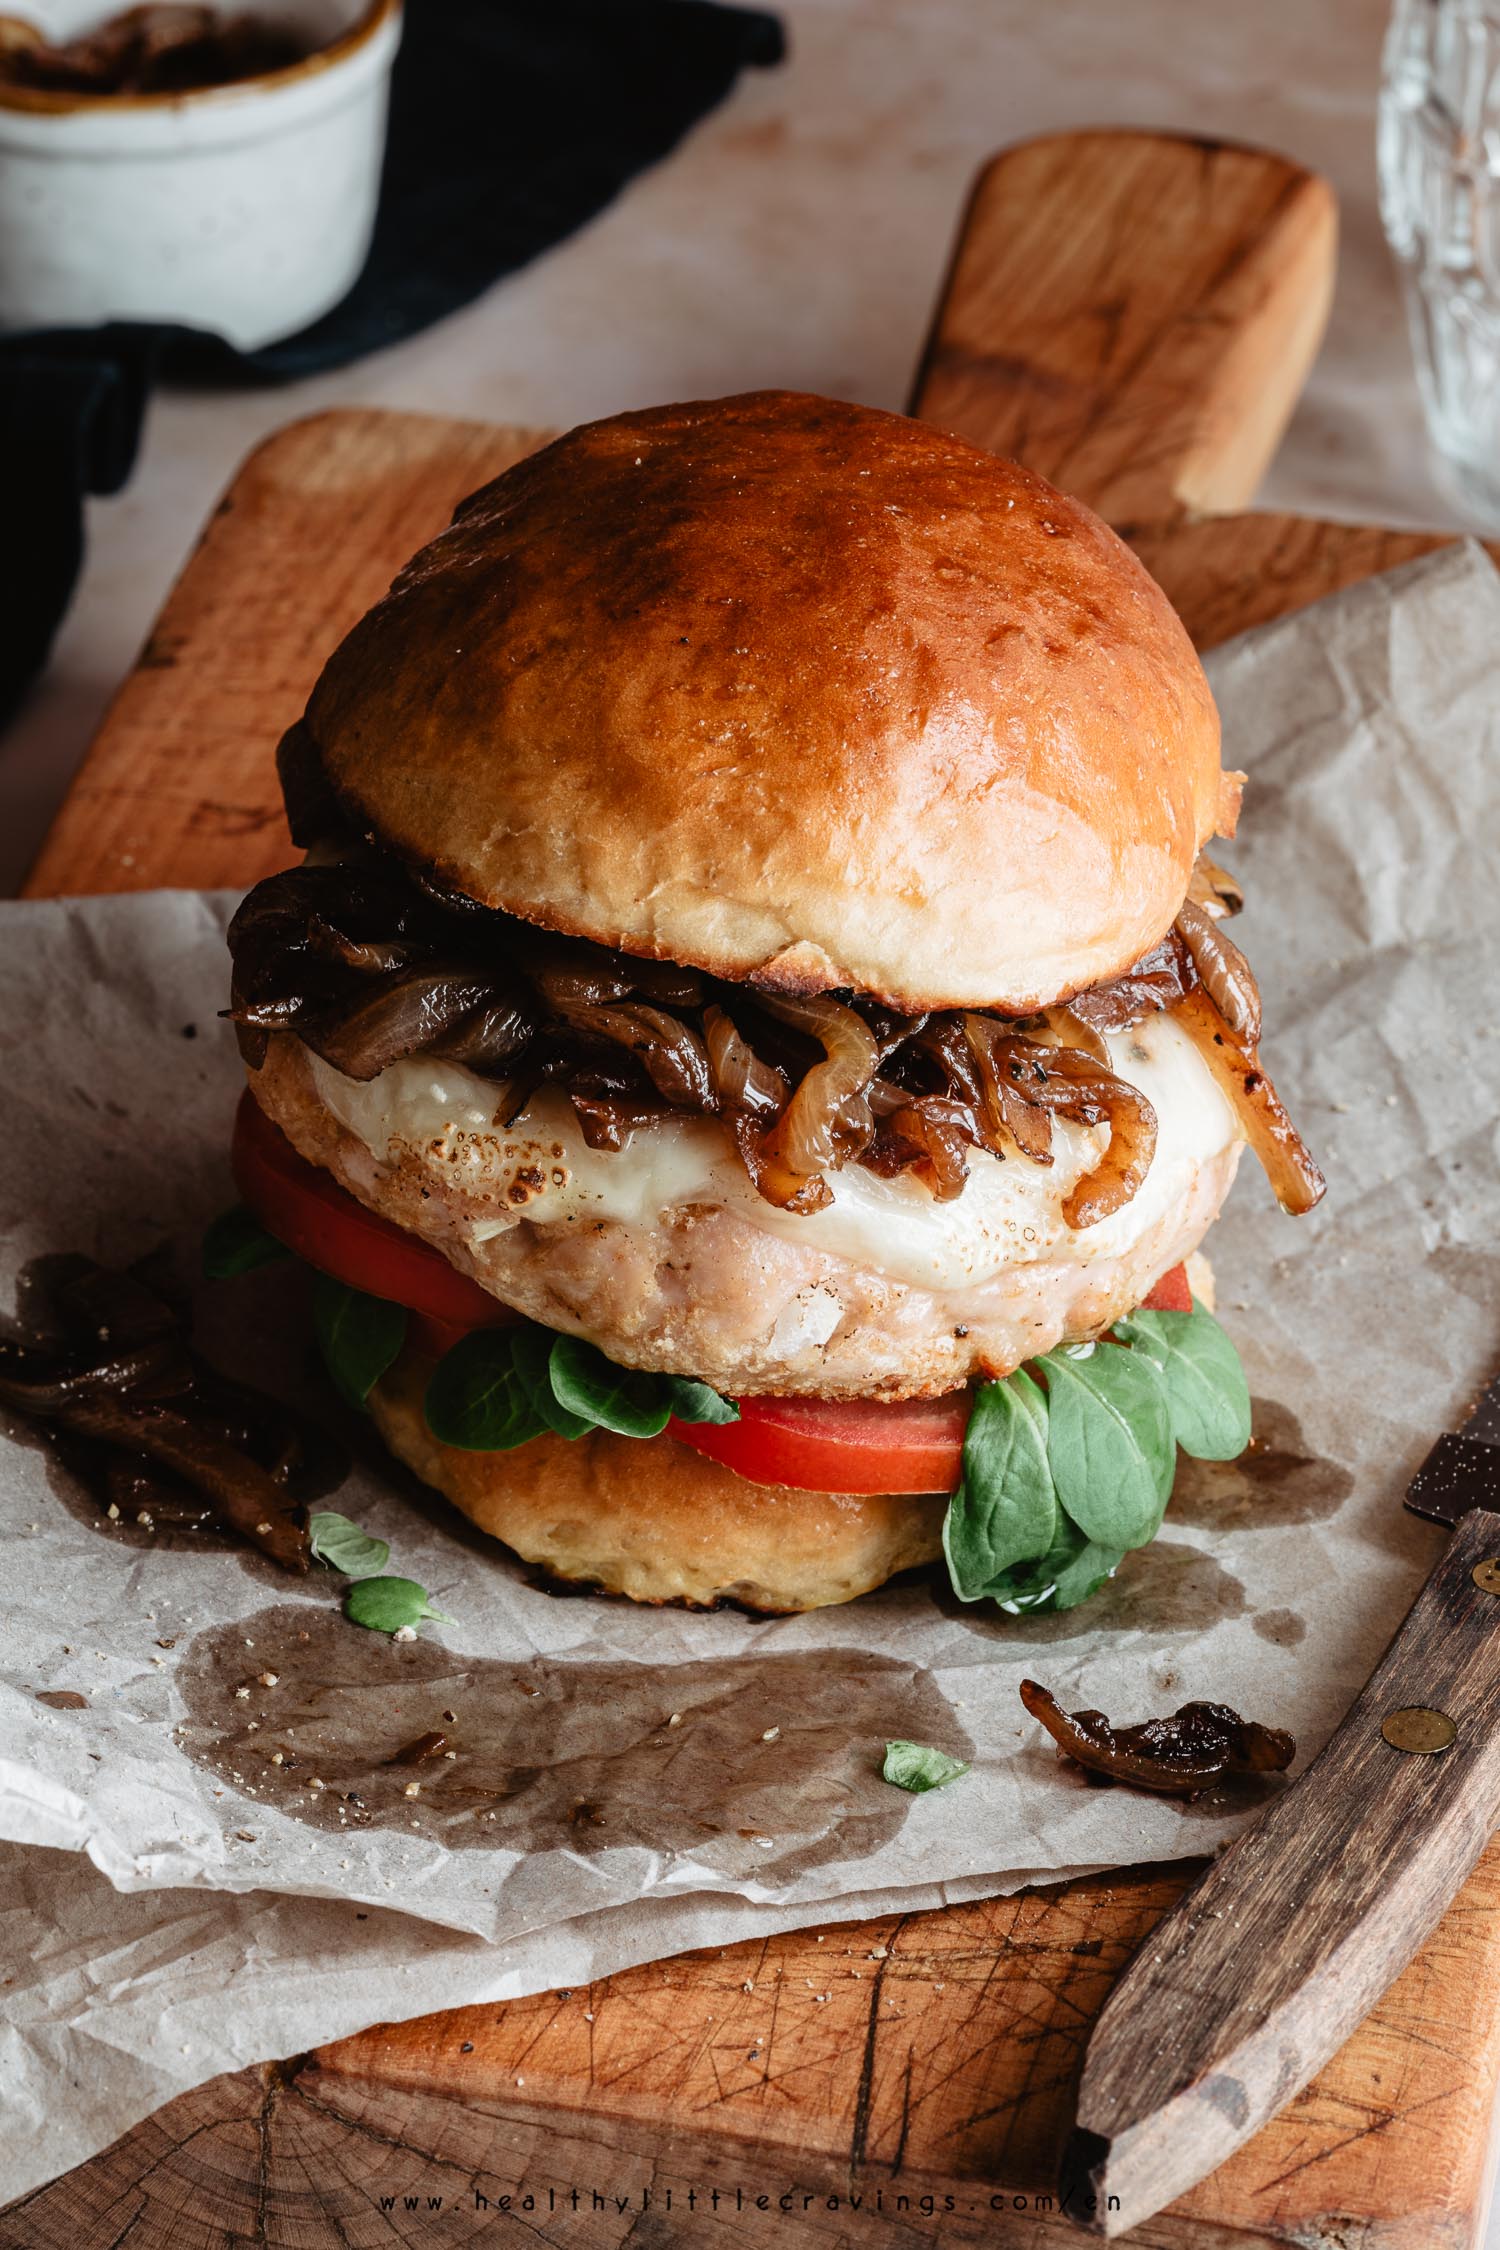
<point>1134,316</point>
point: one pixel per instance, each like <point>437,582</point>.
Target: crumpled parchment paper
<point>224,1928</point>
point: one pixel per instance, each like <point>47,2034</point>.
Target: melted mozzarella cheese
<point>1008,1214</point>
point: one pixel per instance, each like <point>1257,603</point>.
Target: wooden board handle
<point>1134,315</point>
<point>1275,1955</point>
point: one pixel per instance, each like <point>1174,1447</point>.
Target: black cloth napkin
<point>512,123</point>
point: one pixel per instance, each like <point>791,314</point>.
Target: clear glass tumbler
<point>1439,147</point>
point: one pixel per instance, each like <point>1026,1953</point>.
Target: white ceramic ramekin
<point>245,209</point>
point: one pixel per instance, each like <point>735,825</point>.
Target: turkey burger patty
<point>755,980</point>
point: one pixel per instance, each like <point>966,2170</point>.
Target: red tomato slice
<point>1171,1294</point>
<point>840,1445</point>
<point>811,1444</point>
<point>437,1337</point>
<point>304,1207</point>
<point>861,1445</point>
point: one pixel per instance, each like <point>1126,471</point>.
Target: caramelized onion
<point>979,1034</point>
<point>606,1121</point>
<point>368,957</point>
<point>1065,1082</point>
<point>1007,1080</point>
<point>283,1014</point>
<point>854,1126</point>
<point>804,1140</point>
<point>368,961</point>
<point>771,1175</point>
<point>1295,1179</point>
<point>154,1417</point>
<point>447,900</point>
<point>1158,980</point>
<point>1132,1139</point>
<point>944,1040</point>
<point>244,1494</point>
<point>666,984</point>
<point>488,1038</point>
<point>675,1058</point>
<point>515,1095</point>
<point>571,980</point>
<point>276,919</point>
<point>1179,1757</point>
<point>35,1384</point>
<point>401,1016</point>
<point>932,1133</point>
<point>1066,1028</point>
<point>741,1080</point>
<point>1214,889</point>
<point>885,1098</point>
<point>1223,971</point>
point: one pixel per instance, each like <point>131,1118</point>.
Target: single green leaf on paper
<point>344,1547</point>
<point>391,1605</point>
<point>237,1243</point>
<point>1005,1509</point>
<point>623,1399</point>
<point>477,1397</point>
<point>916,1767</point>
<point>1207,1395</point>
<point>359,1336</point>
<point>1109,1441</point>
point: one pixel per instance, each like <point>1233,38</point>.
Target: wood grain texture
<point>1134,314</point>
<point>1287,1941</point>
<point>944,2070</point>
<point>1231,573</point>
<point>180,784</point>
<point>962,2067</point>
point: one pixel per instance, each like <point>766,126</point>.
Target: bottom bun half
<point>656,1522</point>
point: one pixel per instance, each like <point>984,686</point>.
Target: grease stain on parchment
<point>1283,1628</point>
<point>254,1330</point>
<point>1278,1479</point>
<point>770,1766</point>
<point>1167,1587</point>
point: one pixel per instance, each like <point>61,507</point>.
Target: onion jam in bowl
<point>217,169</point>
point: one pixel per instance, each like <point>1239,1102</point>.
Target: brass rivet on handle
<point>1419,1730</point>
<point>1486,1575</point>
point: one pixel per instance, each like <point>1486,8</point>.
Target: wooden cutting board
<point>1134,316</point>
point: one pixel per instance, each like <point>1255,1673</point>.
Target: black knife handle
<point>1286,1942</point>
<point>1461,1472</point>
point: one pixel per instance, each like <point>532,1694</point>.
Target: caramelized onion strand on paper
<point>1201,1744</point>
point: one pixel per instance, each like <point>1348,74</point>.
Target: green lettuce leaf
<point>1109,1441</point>
<point>391,1605</point>
<point>237,1243</point>
<point>917,1767</point>
<point>478,1398</point>
<point>623,1399</point>
<point>1208,1398</point>
<point>697,1402</point>
<point>1005,1510</point>
<point>344,1547</point>
<point>359,1336</point>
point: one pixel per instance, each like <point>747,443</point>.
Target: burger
<point>753,1042</point>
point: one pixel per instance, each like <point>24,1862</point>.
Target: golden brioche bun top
<point>789,690</point>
